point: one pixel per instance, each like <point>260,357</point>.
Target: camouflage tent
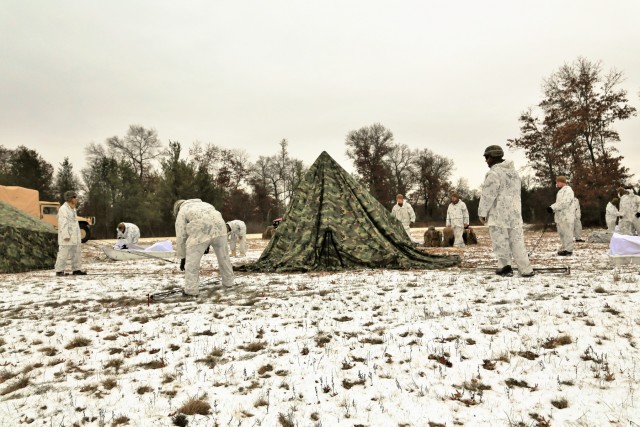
<point>333,223</point>
<point>26,243</point>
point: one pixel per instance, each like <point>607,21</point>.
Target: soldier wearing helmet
<point>501,210</point>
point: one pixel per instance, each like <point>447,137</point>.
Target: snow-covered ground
<point>361,348</point>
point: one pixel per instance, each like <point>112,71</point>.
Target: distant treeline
<point>137,178</point>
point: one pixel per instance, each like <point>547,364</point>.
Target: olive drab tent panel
<point>333,223</point>
<point>26,243</point>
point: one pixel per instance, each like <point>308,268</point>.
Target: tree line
<point>136,178</point>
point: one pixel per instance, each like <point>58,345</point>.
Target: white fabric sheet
<point>624,245</point>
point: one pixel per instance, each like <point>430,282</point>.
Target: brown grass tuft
<point>560,403</point>
<point>285,420</point>
<point>78,342</point>
<point>254,346</point>
<point>109,383</point>
<point>120,420</point>
<point>195,405</point>
<point>557,341</point>
<point>116,364</point>
<point>17,385</point>
<point>48,351</point>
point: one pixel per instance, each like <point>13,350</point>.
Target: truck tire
<point>85,232</point>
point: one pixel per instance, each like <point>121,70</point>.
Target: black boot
<point>505,271</point>
<point>79,273</point>
<point>59,273</point>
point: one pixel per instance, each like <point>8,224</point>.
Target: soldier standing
<point>69,239</point>
<point>403,211</point>
<point>500,209</point>
<point>457,219</point>
<point>564,215</point>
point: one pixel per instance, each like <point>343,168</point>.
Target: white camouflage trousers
<point>458,241</point>
<point>577,229</point>
<point>626,227</point>
<point>242,244</point>
<point>66,251</point>
<point>565,232</point>
<point>508,244</point>
<point>192,264</point>
<point>611,224</point>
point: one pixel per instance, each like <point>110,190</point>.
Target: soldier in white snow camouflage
<point>501,210</point>
<point>457,219</point>
<point>198,225</point>
<point>69,238</point>
<point>612,214</point>
<point>403,211</point>
<point>564,215</point>
<point>629,206</point>
<point>237,231</point>
<point>127,235</point>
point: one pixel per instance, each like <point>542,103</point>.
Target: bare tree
<point>400,161</point>
<point>140,146</point>
<point>368,147</point>
<point>434,172</point>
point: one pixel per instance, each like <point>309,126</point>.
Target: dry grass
<point>143,389</point>
<point>254,347</point>
<point>512,382</point>
<point>120,420</point>
<point>114,364</point>
<point>551,343</point>
<point>6,375</point>
<point>286,420</point>
<point>48,351</point>
<point>560,403</point>
<point>195,405</point>
<point>78,341</point>
<point>17,385</point>
<point>109,383</point>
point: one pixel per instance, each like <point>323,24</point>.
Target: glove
<point>206,251</point>
<point>182,261</point>
<point>637,214</point>
<point>466,226</point>
<point>124,247</point>
<point>549,209</point>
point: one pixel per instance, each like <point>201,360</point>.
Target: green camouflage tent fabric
<point>26,243</point>
<point>333,223</point>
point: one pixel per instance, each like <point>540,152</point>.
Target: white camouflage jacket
<point>238,228</point>
<point>611,213</point>
<point>197,222</point>
<point>563,208</point>
<point>457,214</point>
<point>629,205</point>
<point>500,198</point>
<point>68,227</point>
<point>131,233</point>
<point>404,213</point>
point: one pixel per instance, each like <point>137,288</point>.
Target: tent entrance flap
<point>329,256</point>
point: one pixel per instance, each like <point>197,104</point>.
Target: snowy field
<point>361,348</point>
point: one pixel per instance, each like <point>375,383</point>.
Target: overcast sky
<point>449,76</point>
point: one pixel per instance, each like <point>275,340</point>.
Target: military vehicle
<point>28,200</point>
